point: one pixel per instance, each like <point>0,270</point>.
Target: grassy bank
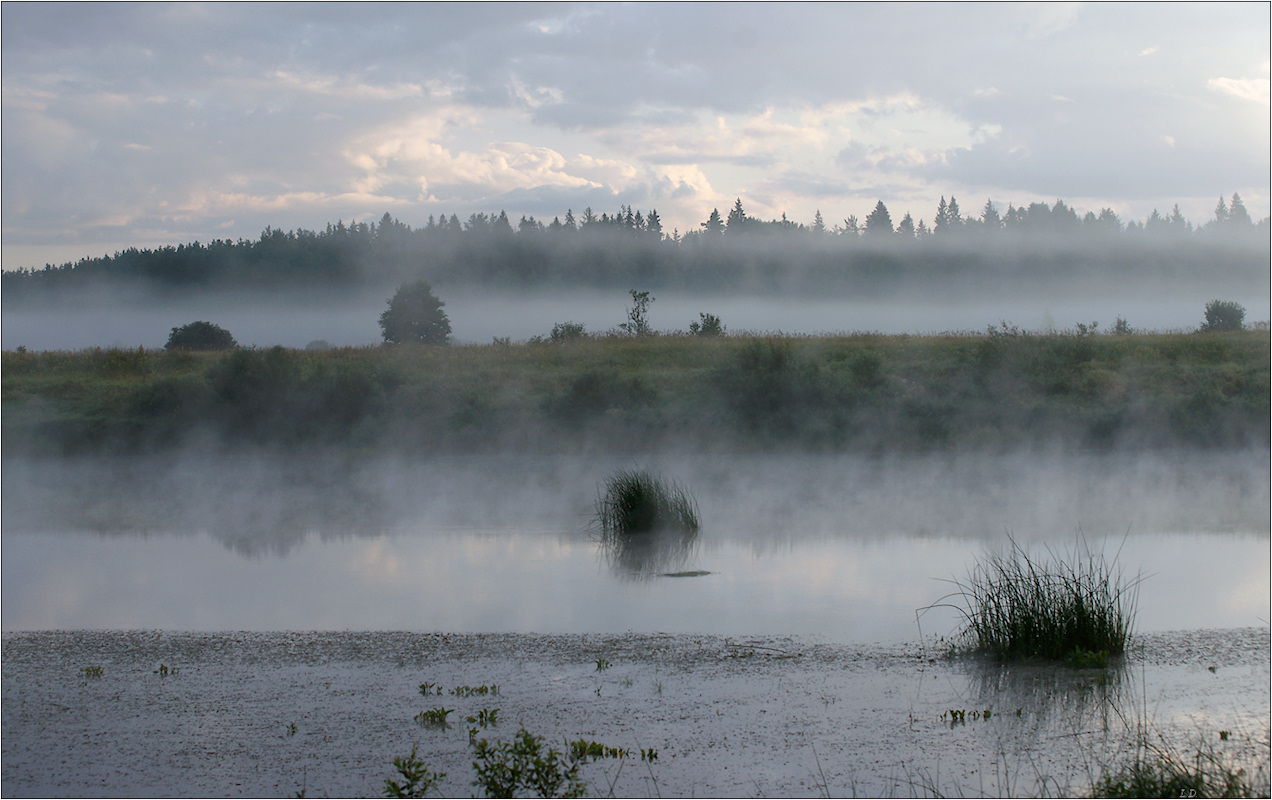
<point>861,392</point>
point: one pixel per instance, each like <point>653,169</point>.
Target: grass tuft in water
<point>637,501</point>
<point>1017,606</point>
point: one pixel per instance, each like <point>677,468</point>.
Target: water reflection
<point>843,547</point>
<point>648,554</point>
<point>1055,698</point>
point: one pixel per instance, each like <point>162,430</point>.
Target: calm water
<point>846,548</point>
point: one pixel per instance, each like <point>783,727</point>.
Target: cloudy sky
<point>146,124</point>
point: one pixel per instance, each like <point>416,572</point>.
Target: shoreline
<point>273,714</point>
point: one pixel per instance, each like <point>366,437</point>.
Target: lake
<point>847,548</point>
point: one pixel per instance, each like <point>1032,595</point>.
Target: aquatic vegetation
<point>1087,659</point>
<point>637,501</point>
<point>1016,606</point>
<point>644,524</point>
<point>959,716</point>
<point>417,779</point>
<point>602,665</point>
<point>475,691</point>
<point>92,671</point>
<point>526,765</point>
<point>588,750</point>
<point>486,718</point>
<point>434,717</point>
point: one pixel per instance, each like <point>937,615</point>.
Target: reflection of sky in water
<point>844,589</point>
<point>846,547</point>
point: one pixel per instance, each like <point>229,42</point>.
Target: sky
<point>151,124</point>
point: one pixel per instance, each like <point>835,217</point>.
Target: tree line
<point>728,250</point>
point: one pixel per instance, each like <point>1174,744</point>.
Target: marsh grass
<point>1076,609</point>
<point>1160,770</point>
<point>645,524</point>
<point>639,502</point>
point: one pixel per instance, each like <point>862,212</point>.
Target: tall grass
<point>637,502</point>
<point>847,393</point>
<point>1159,770</point>
<point>1018,606</point>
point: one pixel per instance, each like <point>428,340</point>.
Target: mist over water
<point>845,547</point>
<point>478,316</point>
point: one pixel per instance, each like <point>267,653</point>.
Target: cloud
<point>118,112</point>
<point>423,152</point>
<point>1253,89</point>
<point>331,86</point>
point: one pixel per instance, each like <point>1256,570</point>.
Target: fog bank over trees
<point>1019,247</point>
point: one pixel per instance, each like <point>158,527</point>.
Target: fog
<point>478,316</point>
<point>846,547</point>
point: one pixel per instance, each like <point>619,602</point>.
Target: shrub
<point>526,765</point>
<point>200,336</point>
<point>1018,607</point>
<point>637,323</point>
<point>564,331</point>
<point>593,392</point>
<point>866,368</point>
<point>415,315</point>
<point>417,779</point>
<point>709,326</point>
<point>640,502</point>
<point>1223,315</point>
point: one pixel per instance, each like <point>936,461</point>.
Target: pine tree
<point>941,222</point>
<point>879,221</point>
<point>819,225</point>
<point>1238,217</point>
<point>714,225</point>
<point>990,218</point>
<point>1178,225</point>
<point>653,224</point>
<point>1221,214</point>
<point>737,221</point>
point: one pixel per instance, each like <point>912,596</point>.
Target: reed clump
<point>638,502</point>
<point>1077,608</point>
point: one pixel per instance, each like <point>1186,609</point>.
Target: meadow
<point>1001,389</point>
